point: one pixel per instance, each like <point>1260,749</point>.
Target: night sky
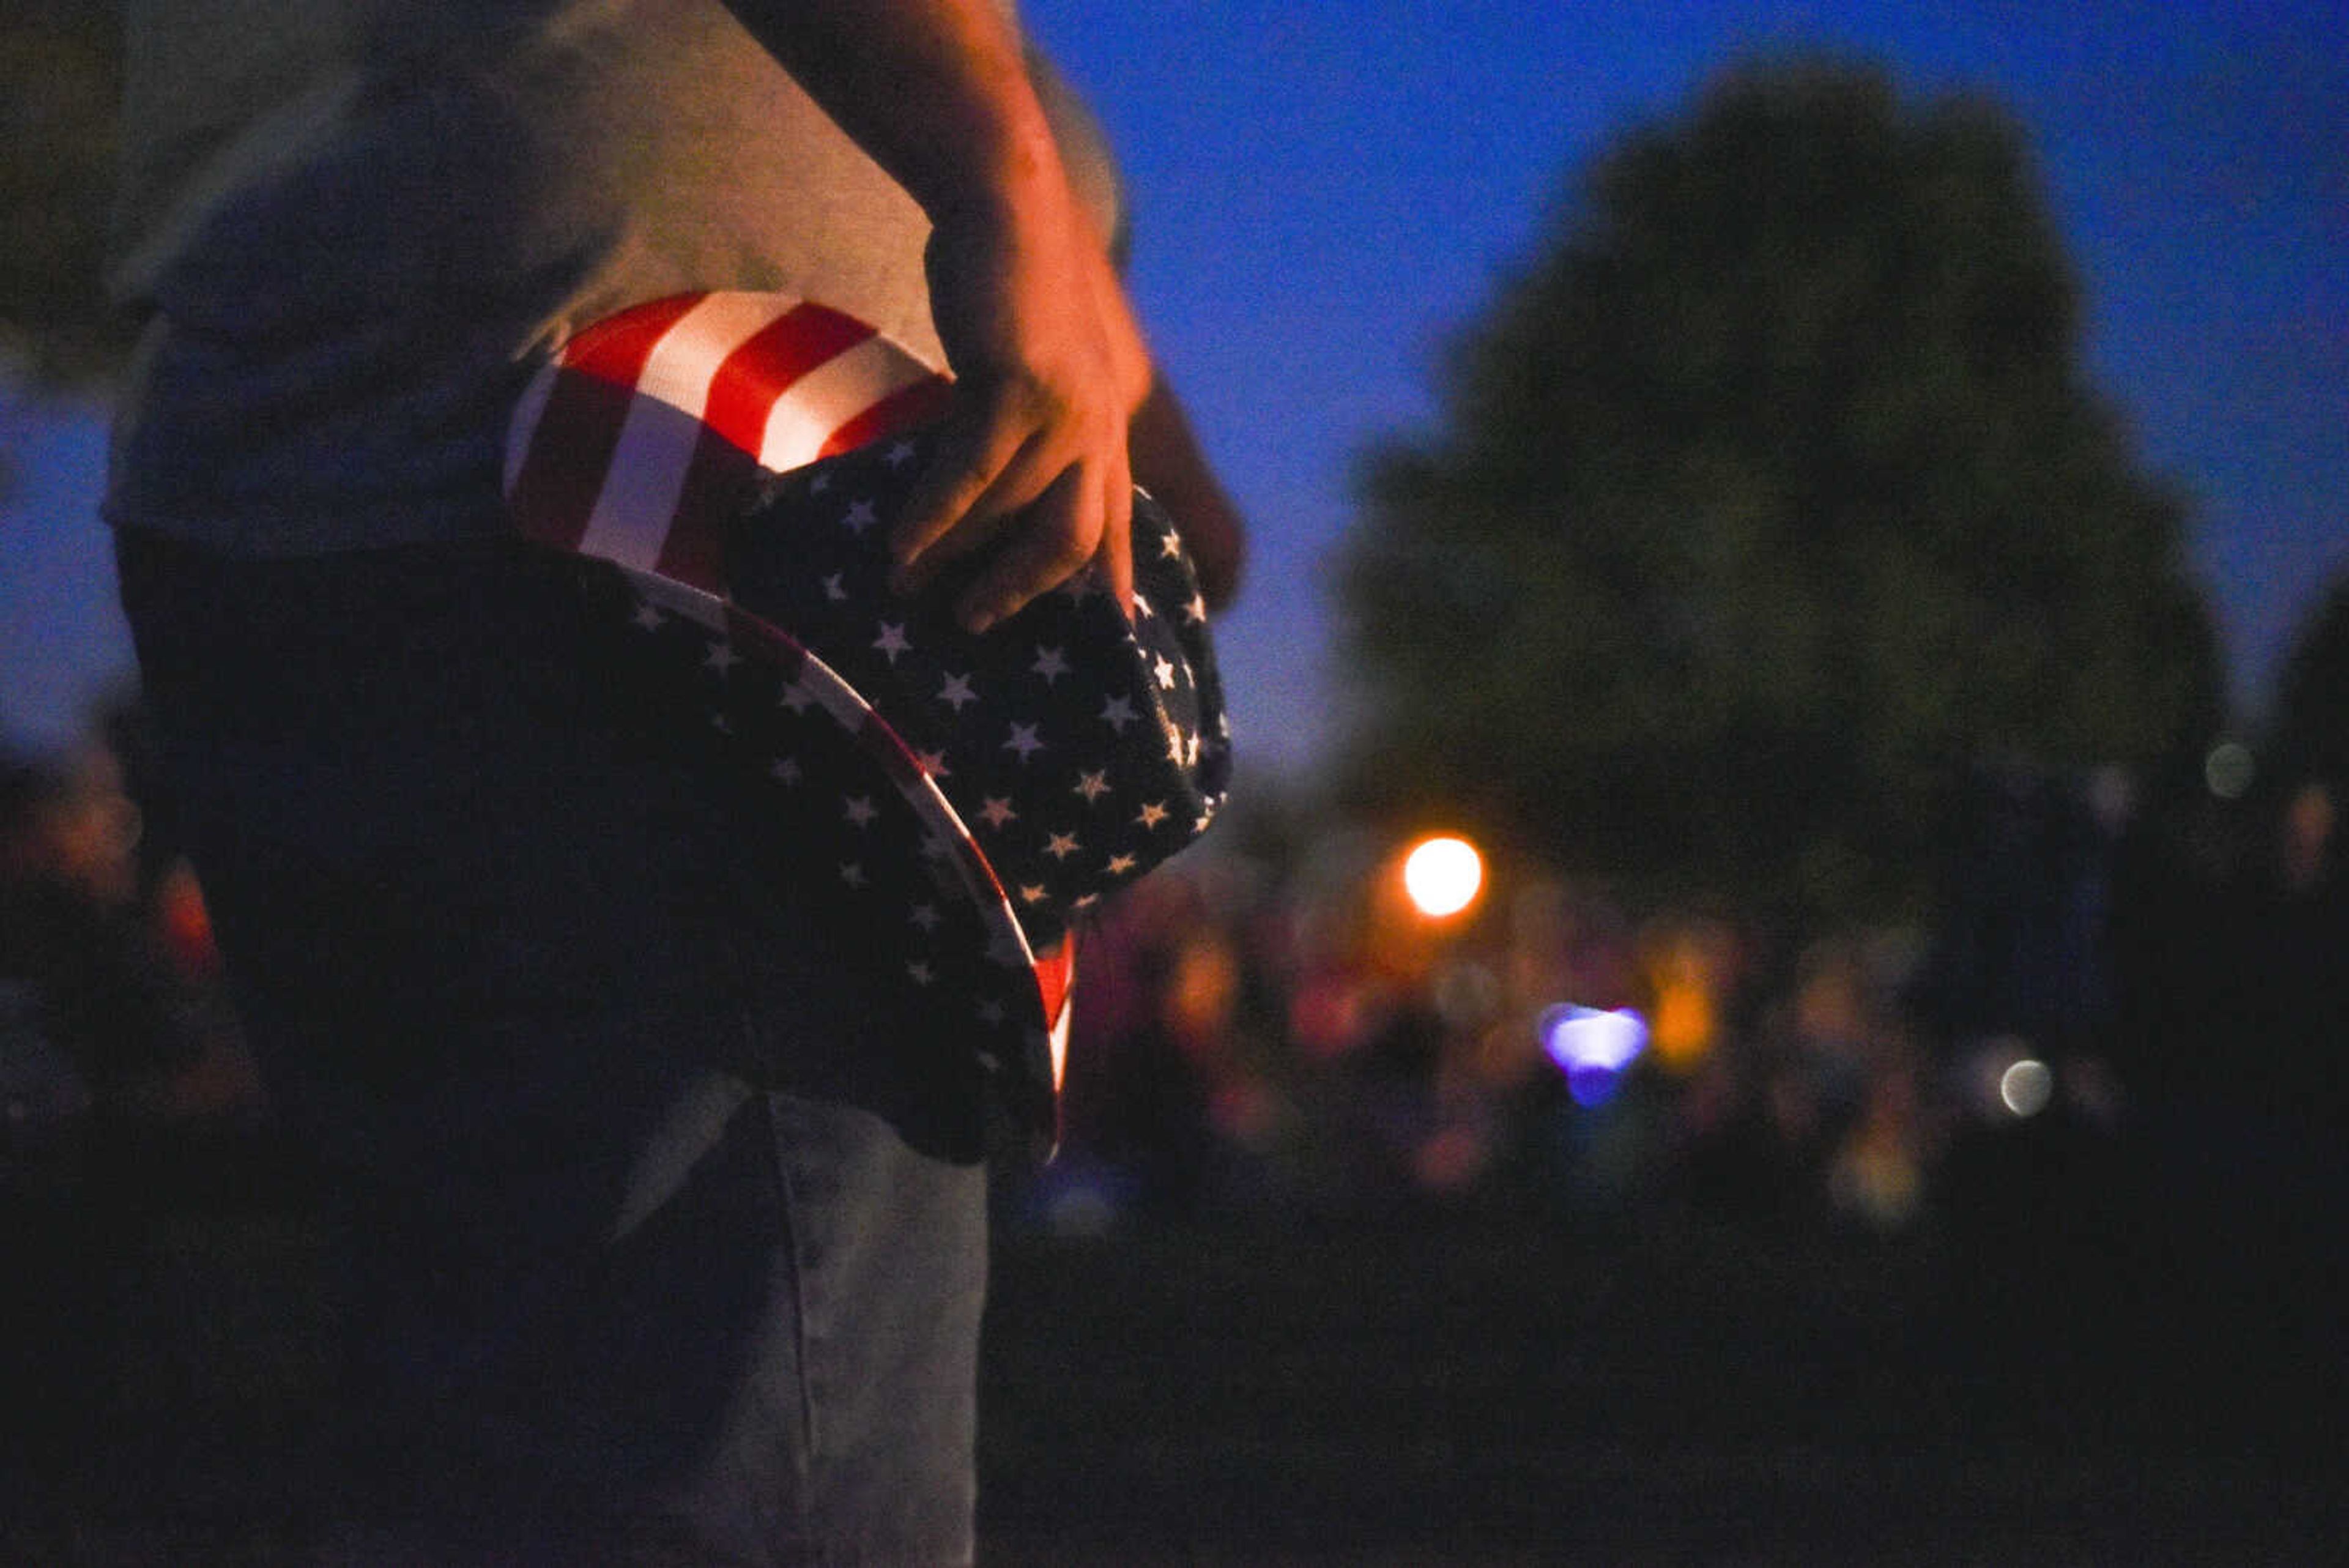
<point>1323,193</point>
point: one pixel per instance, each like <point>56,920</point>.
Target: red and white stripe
<point>640,436</point>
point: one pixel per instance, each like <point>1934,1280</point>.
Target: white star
<point>1049,664</point>
<point>892,640</point>
<point>1092,785</point>
<point>899,453</point>
<point>1023,741</point>
<point>648,614</point>
<point>957,692</point>
<point>722,657</point>
<point>1174,745</point>
<point>990,1012</point>
<point>785,771</point>
<point>820,484</point>
<point>1118,712</point>
<point>924,917</point>
<point>860,810</point>
<point>1003,951</point>
<point>1205,820</point>
<point>832,588</point>
<point>853,874</point>
<point>860,517</point>
<point>1169,546</point>
<point>1061,846</point>
<point>1119,865</point>
<point>1151,815</point>
<point>1196,612</point>
<point>934,847</point>
<point>795,697</point>
<point>1081,586</point>
<point>1085,900</point>
<point>998,811</point>
<point>921,972</point>
<point>1033,893</point>
<point>718,722</point>
<point>1141,605</point>
<point>1165,672</point>
<point>988,1059</point>
<point>933,763</point>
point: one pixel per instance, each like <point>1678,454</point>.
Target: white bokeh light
<point>2026,1086</point>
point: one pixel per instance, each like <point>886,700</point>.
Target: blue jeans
<point>666,1211</point>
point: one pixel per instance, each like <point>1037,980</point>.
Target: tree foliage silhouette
<point>61,83</point>
<point>2309,723</point>
<point>1768,497</point>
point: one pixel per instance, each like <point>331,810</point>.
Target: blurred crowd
<point>2098,1095</point>
<point>2112,979</point>
<point>1274,1036</point>
<point>126,1092</point>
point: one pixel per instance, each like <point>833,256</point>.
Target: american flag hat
<point>725,467</point>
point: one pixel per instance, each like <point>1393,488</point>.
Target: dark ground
<point>1497,1386</point>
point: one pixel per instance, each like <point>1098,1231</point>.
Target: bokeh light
<point>2228,769</point>
<point>1592,1048</point>
<point>1442,874</point>
<point>2026,1086</point>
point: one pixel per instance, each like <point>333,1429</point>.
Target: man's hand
<point>1031,482</point>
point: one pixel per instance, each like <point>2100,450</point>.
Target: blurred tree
<point>61,83</point>
<point>1767,499</point>
<point>2309,718</point>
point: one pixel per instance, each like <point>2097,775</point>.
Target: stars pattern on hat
<point>1068,743</point>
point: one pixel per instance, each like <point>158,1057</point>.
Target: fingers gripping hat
<point>727,466</point>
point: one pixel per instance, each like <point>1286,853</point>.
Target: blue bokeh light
<point>1592,1047</point>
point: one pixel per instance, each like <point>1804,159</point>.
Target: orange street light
<point>1442,874</point>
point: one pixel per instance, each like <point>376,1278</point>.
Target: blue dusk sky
<point>1325,192</point>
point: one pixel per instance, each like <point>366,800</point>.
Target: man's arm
<point>1169,463</point>
<point>1032,473</point>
